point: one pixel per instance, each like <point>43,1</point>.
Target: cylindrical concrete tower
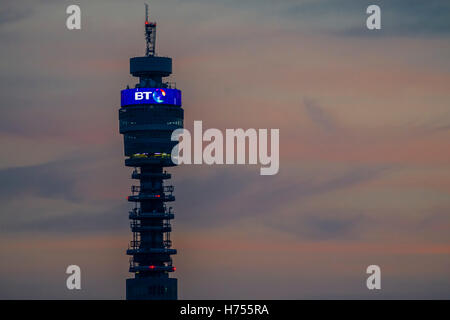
<point>149,114</point>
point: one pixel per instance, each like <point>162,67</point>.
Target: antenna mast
<point>150,35</point>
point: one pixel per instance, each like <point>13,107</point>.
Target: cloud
<point>323,225</point>
<point>10,13</point>
<point>399,17</point>
<point>64,196</point>
<point>237,193</point>
<point>87,175</point>
<point>319,116</point>
<point>46,180</point>
<point>110,218</point>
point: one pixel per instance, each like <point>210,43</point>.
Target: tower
<point>149,114</point>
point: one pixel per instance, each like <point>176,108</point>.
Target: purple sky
<point>364,121</point>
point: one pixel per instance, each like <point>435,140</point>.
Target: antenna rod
<point>150,35</point>
<point>146,12</point>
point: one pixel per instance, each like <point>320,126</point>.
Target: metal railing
<point>136,244</point>
<point>137,189</point>
<point>137,224</point>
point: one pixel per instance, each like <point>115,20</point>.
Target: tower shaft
<point>149,114</point>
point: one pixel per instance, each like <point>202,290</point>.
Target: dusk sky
<point>364,119</point>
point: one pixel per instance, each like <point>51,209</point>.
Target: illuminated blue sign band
<point>150,96</point>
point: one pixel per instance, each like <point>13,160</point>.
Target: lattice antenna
<point>150,35</point>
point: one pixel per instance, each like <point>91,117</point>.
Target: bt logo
<point>158,95</point>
